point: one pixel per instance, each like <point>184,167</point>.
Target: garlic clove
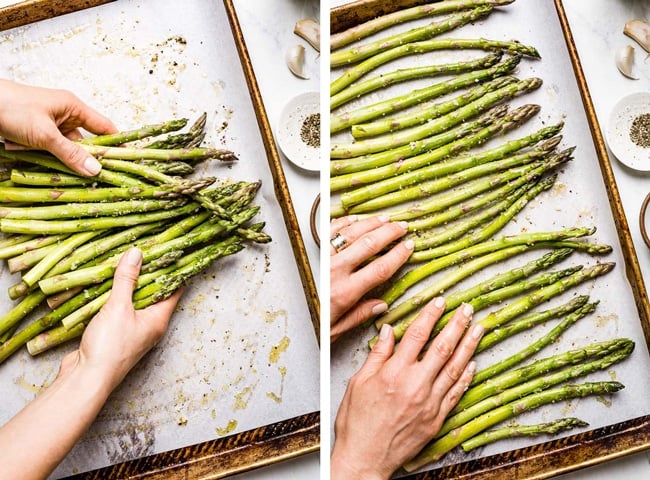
<point>296,61</point>
<point>639,31</point>
<point>309,29</point>
<point>624,61</point>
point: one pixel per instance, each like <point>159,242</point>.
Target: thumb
<point>74,156</point>
<point>381,351</point>
<point>126,275</point>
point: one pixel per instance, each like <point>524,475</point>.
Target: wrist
<point>343,467</point>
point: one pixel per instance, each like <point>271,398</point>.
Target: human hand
<point>48,119</point>
<point>397,402</point>
<point>119,336</point>
<point>349,283</point>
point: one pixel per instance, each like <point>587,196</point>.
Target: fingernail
<point>404,225</point>
<point>133,256</point>
<point>92,165</point>
<point>477,331</point>
<point>383,218</point>
<point>467,310</point>
<point>409,244</point>
<point>439,302</point>
<point>379,308</point>
<point>385,331</point>
<point>471,368</point>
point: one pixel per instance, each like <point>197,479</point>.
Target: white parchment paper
<point>240,351</point>
<point>577,199</point>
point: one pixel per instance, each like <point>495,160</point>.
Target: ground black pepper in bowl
<point>640,130</point>
<point>310,130</point>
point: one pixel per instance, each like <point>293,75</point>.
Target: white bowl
<point>291,119</point>
<point>618,131</point>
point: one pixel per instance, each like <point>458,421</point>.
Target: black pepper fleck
<point>310,130</point>
<point>640,130</point>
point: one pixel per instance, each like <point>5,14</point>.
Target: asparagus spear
<point>503,315</point>
<point>501,333</point>
<point>71,195</point>
<point>424,113</point>
<point>532,240</point>
<point>46,179</point>
<point>20,311</point>
<point>27,243</point>
<point>540,367</point>
<point>27,259</point>
<point>193,154</point>
<point>366,29</point>
<point>414,164</point>
<point>354,73</point>
<point>508,394</point>
<point>345,166</point>
<point>404,74</point>
<point>192,138</point>
<point>98,209</point>
<point>169,168</point>
<point>344,120</point>
<point>534,347</point>
<point>100,223</point>
<point>512,431</point>
<point>131,135</point>
<point>11,240</point>
<point>356,54</point>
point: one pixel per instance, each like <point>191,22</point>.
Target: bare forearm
<point>37,439</point>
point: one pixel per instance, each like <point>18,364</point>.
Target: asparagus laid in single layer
<point>354,73</point>
<point>361,52</point>
<point>48,179</point>
<point>513,431</point>
<point>401,75</point>
<point>193,154</point>
<point>382,22</point>
<point>343,120</point>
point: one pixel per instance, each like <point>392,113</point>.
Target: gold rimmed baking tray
<point>266,443</point>
<point>572,452</point>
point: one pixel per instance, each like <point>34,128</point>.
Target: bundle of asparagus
<point>65,233</point>
<point>426,166</point>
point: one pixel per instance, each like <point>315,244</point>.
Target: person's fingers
<point>454,368</point>
<point>126,276</point>
<point>381,351</point>
<point>370,243</point>
<point>443,346</point>
<point>342,222</point>
<point>354,231</point>
<point>456,391</point>
<point>417,334</point>
<point>361,312</point>
<point>381,269</point>
<point>157,316</point>
<point>72,155</point>
<point>73,134</point>
<point>92,120</point>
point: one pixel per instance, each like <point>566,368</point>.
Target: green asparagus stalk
<point>540,367</point>
<point>354,73</point>
<point>192,138</point>
<point>532,240</point>
<point>95,209</point>
<point>356,54</point>
<point>27,259</point>
<point>131,135</point>
<point>20,311</point>
<point>51,163</point>
<point>534,347</point>
<point>344,120</point>
<point>28,243</point>
<point>101,223</point>
<point>181,169</point>
<point>404,74</point>
<point>11,240</point>
<point>48,179</point>
<point>346,166</point>
<point>434,451</point>
<point>502,333</point>
<point>412,166</point>
<point>537,384</point>
<point>366,29</point>
<point>503,315</point>
<point>193,154</point>
<point>75,195</point>
<point>424,113</point>
<point>543,382</point>
<point>513,431</point>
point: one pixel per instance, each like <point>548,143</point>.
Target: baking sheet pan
<point>585,195</point>
<point>241,354</point>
